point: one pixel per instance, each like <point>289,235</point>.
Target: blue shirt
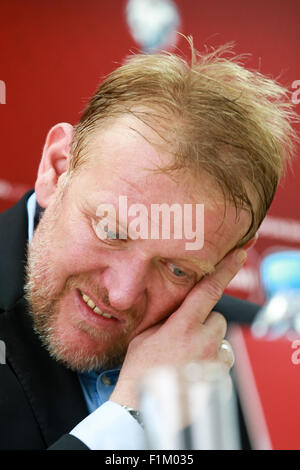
<point>98,386</point>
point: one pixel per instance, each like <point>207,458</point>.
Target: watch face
<point>134,413</point>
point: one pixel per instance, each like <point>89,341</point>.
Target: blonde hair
<point>214,114</point>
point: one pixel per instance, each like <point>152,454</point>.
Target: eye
<point>103,232</point>
<point>177,271</point>
<point>179,276</point>
<point>111,235</point>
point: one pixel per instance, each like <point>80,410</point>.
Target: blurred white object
<point>188,409</point>
<point>280,276</point>
<point>153,23</point>
<point>280,316</point>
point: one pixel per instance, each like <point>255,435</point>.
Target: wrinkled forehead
<point>129,149</point>
<point>133,129</point>
<point>127,157</point>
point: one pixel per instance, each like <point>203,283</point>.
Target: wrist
<point>125,397</point>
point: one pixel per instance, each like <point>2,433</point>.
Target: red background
<point>53,53</point>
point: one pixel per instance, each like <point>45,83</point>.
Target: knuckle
<point>209,348</point>
<point>189,328</point>
<point>220,322</point>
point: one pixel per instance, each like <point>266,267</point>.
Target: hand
<point>192,333</point>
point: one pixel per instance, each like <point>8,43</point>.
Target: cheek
<point>76,247</point>
<point>163,302</point>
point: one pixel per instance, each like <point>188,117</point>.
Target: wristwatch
<point>135,414</point>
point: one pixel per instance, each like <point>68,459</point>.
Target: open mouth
<point>94,307</point>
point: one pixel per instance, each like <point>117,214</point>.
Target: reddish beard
<point>45,301</point>
<point>112,346</point>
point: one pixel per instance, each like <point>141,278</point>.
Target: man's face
<point>89,297</point>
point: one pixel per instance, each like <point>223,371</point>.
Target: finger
<point>210,336</point>
<point>204,296</point>
<point>143,335</point>
<point>217,325</point>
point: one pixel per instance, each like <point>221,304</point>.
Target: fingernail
<point>241,256</point>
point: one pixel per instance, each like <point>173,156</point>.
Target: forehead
<point>130,151</point>
<point>123,161</point>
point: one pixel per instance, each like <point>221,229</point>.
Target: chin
<point>81,349</point>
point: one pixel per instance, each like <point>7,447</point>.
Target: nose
<point>126,282</point>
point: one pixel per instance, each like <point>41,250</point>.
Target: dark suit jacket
<point>40,399</point>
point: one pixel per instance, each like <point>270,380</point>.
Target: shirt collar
<point>34,212</point>
<point>31,208</point>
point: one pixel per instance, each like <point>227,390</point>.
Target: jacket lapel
<point>13,240</point>
<point>53,391</point>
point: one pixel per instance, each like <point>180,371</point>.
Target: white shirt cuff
<point>110,427</point>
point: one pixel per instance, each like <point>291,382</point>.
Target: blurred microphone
<point>190,408</point>
<point>153,23</point>
<point>280,275</point>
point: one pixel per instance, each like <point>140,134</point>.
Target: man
<point>103,293</point>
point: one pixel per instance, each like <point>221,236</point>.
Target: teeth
<point>106,315</point>
<point>93,306</point>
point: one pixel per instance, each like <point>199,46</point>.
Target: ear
<point>54,162</point>
<point>251,242</point>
